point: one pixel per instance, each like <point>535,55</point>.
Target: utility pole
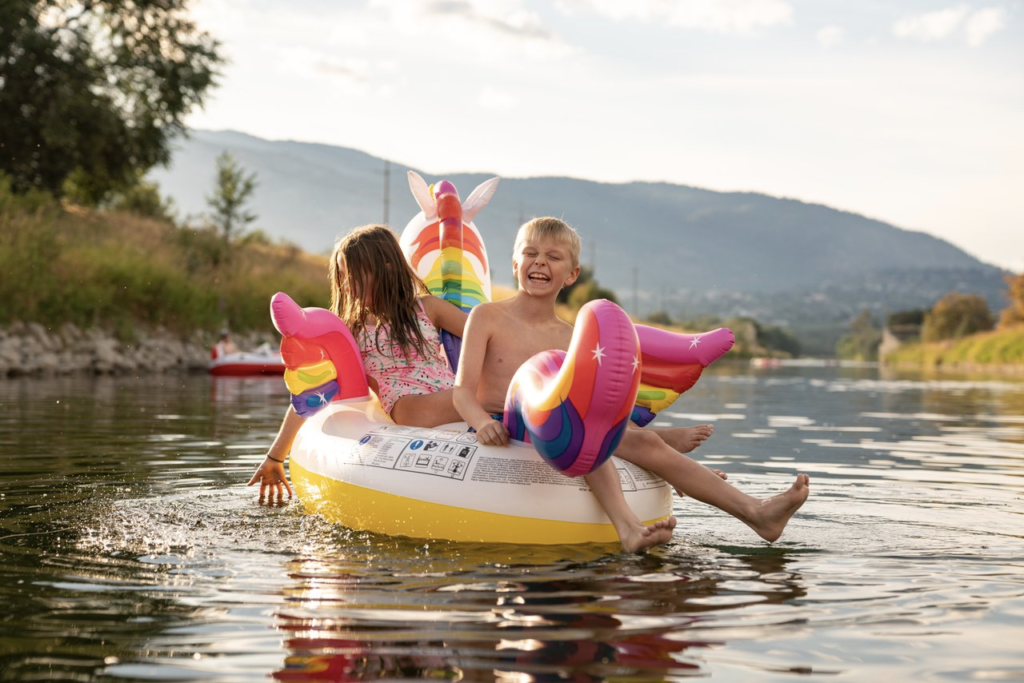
<point>387,189</point>
<point>636,292</point>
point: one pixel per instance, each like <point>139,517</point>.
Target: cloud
<point>830,36</point>
<point>313,65</point>
<point>490,26</point>
<point>931,26</point>
<point>713,16</point>
<point>493,98</point>
<point>984,23</point>
<point>939,25</point>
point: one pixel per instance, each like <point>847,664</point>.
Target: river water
<point>130,550</point>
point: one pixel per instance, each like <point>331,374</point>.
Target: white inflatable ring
<point>353,466</point>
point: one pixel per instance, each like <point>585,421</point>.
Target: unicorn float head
<point>446,249</point>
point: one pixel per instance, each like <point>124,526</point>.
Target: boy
<point>502,335</point>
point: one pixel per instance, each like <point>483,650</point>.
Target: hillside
<point>660,246</point>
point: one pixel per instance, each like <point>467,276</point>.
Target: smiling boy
<point>502,335</point>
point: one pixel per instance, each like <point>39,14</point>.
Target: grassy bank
<point>998,349</point>
<point>118,270</point>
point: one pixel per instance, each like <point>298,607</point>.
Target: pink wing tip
<point>286,314</point>
<point>714,344</point>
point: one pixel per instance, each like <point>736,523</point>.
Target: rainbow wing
<point>321,356</point>
<point>672,363</point>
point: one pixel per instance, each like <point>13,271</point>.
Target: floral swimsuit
<point>398,375</point>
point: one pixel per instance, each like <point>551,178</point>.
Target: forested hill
<point>663,246</point>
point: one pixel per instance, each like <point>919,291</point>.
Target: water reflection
<point>465,615</point>
<point>131,551</point>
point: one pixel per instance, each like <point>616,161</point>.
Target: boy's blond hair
<point>547,227</point>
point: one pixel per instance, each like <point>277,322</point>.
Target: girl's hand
<point>270,475</point>
<point>492,433</point>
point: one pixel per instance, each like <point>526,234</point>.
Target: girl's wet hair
<point>547,227</point>
<point>370,277</point>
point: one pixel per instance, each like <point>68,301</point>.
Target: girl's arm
<point>270,473</point>
<point>444,315</point>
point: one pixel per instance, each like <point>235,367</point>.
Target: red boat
<point>263,361</point>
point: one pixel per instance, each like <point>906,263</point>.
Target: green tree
<point>863,341</point>
<point>659,318</point>
<point>233,189</point>
<point>589,291</point>
<point>586,275</point>
<point>92,93</point>
<point>956,315</point>
<point>144,199</point>
<point>1014,313</point>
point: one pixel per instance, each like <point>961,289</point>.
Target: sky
<point>907,111</point>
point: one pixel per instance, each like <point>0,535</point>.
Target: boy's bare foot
<point>642,536</point>
<point>685,439</point>
<point>771,515</point>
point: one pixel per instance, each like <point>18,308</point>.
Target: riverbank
<point>33,349</point>
<point>999,351</point>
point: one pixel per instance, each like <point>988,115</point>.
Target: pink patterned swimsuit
<point>398,375</point>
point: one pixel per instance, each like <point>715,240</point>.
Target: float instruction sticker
<point>436,452</point>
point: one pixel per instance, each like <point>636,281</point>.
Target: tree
<point>956,315</point>
<point>95,91</point>
<point>589,291</point>
<point>863,341</point>
<point>659,318</point>
<point>144,199</point>
<point>1014,313</point>
<point>232,191</point>
<point>586,275</point>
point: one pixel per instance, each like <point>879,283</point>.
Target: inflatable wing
<point>672,363</point>
<point>574,407</point>
<point>445,248</point>
<point>320,355</point>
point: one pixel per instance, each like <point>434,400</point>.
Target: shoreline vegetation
<point>1000,350</point>
<point>114,292</point>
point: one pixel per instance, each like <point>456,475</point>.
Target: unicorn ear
<point>478,199</point>
<point>421,193</point>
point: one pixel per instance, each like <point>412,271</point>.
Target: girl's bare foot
<point>642,536</point>
<point>770,516</point>
<point>685,439</point>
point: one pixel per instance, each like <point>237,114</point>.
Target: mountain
<point>681,249</point>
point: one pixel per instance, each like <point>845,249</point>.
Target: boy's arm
<point>445,315</point>
<point>471,362</point>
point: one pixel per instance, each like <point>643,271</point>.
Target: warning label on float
<point>436,452</point>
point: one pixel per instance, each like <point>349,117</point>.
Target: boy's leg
<point>634,534</point>
<point>767,516</point>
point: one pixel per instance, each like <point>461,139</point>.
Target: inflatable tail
<point>574,407</point>
<point>672,363</point>
<point>322,358</point>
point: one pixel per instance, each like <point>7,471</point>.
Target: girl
<point>395,321</point>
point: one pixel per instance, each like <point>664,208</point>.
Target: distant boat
<point>765,363</point>
<point>263,361</point>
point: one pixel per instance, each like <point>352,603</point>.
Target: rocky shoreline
<point>36,350</point>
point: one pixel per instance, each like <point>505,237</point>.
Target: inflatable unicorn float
<point>565,411</point>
